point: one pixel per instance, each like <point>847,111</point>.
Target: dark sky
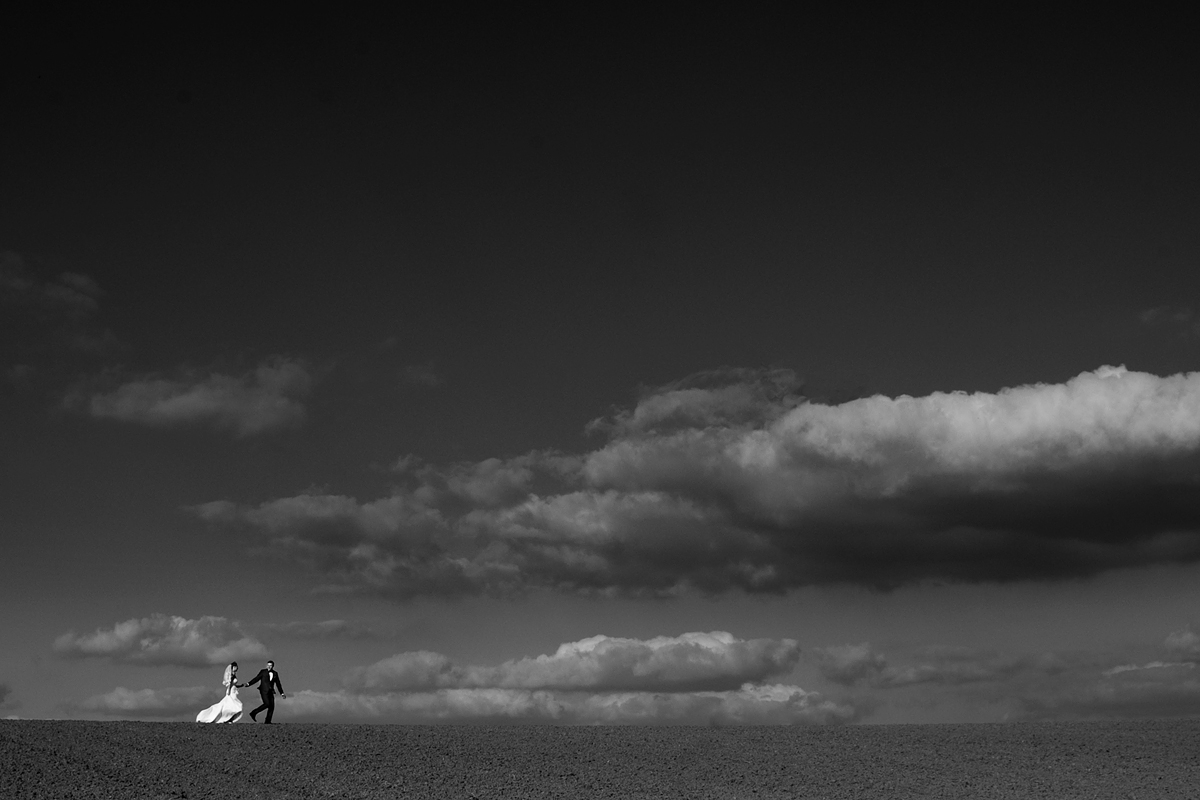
<point>309,321</point>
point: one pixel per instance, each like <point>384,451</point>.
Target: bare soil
<point>71,759</point>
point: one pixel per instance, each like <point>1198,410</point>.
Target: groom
<point>268,681</point>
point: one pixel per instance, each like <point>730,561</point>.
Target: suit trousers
<point>268,703</point>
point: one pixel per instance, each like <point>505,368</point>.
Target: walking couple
<point>229,709</point>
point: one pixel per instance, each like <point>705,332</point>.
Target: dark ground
<point>58,759</point>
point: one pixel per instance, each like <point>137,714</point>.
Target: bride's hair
<point>229,673</point>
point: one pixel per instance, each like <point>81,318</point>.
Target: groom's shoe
<point>253,717</point>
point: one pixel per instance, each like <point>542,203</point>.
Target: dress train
<point>227,709</point>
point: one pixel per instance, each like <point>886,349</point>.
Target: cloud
<point>264,399</point>
<point>850,664</point>
<point>724,397</point>
<point>74,294</point>
<point>1163,690</point>
<point>122,702</point>
<point>694,678</point>
<point>71,294</point>
<point>160,640</point>
<point>854,665</point>
<point>749,705</point>
<point>329,629</point>
<point>1181,320</point>
<point>730,481</point>
<point>691,662</point>
<point>1150,665</point>
<point>1181,649</point>
<point>1184,645</point>
<point>1046,686</point>
<point>47,321</point>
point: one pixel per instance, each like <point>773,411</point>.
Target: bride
<point>229,709</point>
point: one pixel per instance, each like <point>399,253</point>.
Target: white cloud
<point>690,662</point>
<point>694,678</point>
<point>264,399</point>
<point>1117,670</point>
<point>749,705</point>
<point>815,456</point>
<point>715,398</point>
<point>728,481</point>
<point>1181,646</point>
<point>164,640</point>
<point>122,702</point>
<point>1184,645</point>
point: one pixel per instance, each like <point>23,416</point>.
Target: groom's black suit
<point>268,682</point>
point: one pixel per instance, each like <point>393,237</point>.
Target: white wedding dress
<point>228,709</point>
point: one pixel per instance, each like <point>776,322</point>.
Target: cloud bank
<point>264,399</point>
<point>716,678</point>
<point>122,702</point>
<point>695,678</point>
<point>160,640</point>
<point>1166,690</point>
<point>1045,686</point>
<point>750,705</point>
<point>692,662</point>
<point>861,665</point>
<point>730,481</point>
<point>1167,686</point>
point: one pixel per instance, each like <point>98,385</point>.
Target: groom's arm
<point>278,685</point>
<point>254,680</point>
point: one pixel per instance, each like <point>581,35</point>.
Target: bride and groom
<point>229,708</point>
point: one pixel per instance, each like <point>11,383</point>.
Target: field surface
<point>58,759</point>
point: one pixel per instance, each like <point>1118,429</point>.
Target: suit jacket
<point>267,682</point>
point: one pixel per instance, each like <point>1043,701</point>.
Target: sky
<point>601,370</point>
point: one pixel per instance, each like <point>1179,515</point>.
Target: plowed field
<point>57,759</point>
